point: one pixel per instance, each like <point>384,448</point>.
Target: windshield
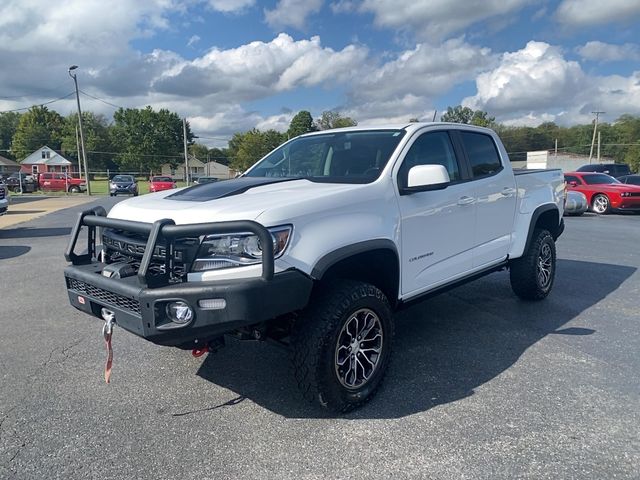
<point>122,178</point>
<point>598,179</point>
<point>341,157</point>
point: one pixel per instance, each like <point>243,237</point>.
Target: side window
<point>46,176</point>
<point>59,176</point>
<point>572,178</point>
<point>432,148</point>
<point>482,153</point>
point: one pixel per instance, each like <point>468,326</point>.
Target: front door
<point>437,230</point>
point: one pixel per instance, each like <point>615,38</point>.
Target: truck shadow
<point>445,347</point>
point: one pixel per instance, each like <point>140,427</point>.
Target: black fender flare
<point>332,258</point>
<point>534,220</point>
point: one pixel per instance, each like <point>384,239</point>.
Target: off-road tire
<point>526,280</point>
<point>600,204</point>
<point>314,339</point>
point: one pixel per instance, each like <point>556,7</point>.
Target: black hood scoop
<point>227,188</point>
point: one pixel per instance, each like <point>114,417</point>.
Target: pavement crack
<point>230,403</point>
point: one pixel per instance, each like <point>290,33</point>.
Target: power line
<point>39,104</point>
<point>100,99</point>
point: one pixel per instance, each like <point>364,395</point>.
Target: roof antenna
<point>434,115</point>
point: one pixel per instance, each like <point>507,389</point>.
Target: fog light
<point>212,303</point>
<point>179,312</point>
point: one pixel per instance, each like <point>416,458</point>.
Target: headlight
<point>625,194</point>
<point>237,250</point>
<point>112,185</point>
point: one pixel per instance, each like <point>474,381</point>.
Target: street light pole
<point>84,154</point>
<point>186,152</point>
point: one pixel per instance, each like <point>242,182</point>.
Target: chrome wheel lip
<point>544,266</point>
<point>358,350</point>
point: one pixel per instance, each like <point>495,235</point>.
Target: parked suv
<point>613,169</point>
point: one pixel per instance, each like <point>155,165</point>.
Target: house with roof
<point>46,160</point>
<point>196,169</point>
<point>7,166</point>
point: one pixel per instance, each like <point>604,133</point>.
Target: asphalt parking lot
<point>482,385</point>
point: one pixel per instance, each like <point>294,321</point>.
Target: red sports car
<point>604,193</point>
<point>158,184</point>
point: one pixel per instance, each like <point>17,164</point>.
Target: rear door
<point>46,181</point>
<point>437,229</point>
<point>496,194</point>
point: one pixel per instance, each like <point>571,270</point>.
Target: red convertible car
<point>158,184</point>
<point>604,193</point>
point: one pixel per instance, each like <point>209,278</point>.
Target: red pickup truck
<point>61,182</point>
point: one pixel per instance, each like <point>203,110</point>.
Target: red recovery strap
<point>109,363</point>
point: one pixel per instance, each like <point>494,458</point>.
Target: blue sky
<point>231,65</point>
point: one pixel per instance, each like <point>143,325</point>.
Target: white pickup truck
<point>318,243</point>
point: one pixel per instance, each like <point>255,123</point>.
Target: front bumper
<point>141,310</point>
<point>127,190</point>
<point>139,302</point>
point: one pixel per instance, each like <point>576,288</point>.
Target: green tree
<point>333,119</point>
<point>249,147</point>
<point>97,140</point>
<point>199,151</point>
<point>300,124</point>
<point>8,126</point>
<point>220,155</point>
<point>460,114</point>
<point>39,126</point>
<point>147,139</point>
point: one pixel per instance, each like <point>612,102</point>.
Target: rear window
<point>482,153</point>
<point>162,179</point>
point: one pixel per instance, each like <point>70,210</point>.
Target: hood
<point>239,199</point>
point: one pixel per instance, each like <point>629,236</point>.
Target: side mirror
<point>424,178</point>
<point>573,184</point>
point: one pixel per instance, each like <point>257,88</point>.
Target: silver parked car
<point>576,203</point>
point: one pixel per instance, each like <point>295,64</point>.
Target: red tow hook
<point>198,352</point>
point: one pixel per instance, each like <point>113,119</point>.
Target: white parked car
<point>576,203</point>
<point>318,244</point>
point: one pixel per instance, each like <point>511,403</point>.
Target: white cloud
<point>193,40</point>
<point>438,18</point>
<point>260,69</point>
<point>535,77</point>
<point>607,52</point>
<point>344,6</point>
<point>291,13</point>
<point>537,84</point>
<point>582,13</point>
<point>231,6</point>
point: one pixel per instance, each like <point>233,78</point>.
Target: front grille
<point>635,194</point>
<point>2,192</point>
<point>106,296</point>
<point>121,246</point>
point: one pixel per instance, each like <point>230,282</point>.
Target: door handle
<point>508,191</point>
<point>466,200</point>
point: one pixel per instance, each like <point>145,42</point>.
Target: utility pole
<point>595,129</point>
<point>84,155</point>
<point>599,146</point>
<point>79,157</point>
<point>186,153</point>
